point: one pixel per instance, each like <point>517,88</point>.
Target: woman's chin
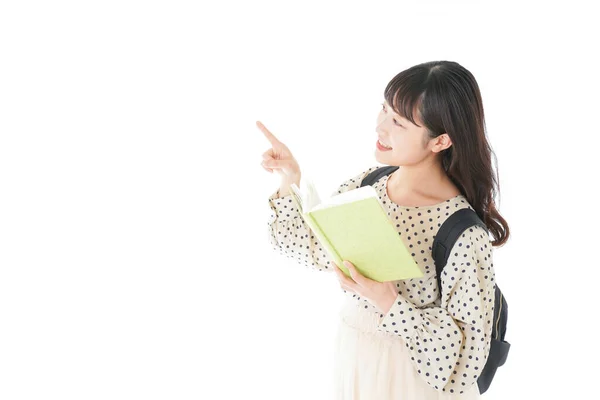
<point>380,156</point>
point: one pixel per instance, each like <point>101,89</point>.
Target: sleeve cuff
<point>282,208</point>
<point>399,319</point>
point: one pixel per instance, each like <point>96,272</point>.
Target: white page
<point>311,201</point>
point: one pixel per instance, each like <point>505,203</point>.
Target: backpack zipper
<point>499,311</point>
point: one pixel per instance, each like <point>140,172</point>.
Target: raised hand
<point>279,158</point>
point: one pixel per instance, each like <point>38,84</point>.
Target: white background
<point>134,254</point>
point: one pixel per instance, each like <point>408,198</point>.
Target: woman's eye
<point>395,121</point>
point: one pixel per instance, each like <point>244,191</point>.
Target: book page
<point>350,196</point>
<point>312,198</point>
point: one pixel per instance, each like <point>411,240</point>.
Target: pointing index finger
<point>267,133</point>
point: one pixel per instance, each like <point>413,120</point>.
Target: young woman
<point>402,339</point>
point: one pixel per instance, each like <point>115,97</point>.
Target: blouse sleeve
<point>291,236</point>
<point>449,344</point>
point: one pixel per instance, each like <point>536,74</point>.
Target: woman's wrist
<point>388,302</point>
<point>284,187</point>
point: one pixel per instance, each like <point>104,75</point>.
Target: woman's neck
<point>422,181</point>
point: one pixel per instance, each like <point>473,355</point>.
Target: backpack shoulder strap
<point>377,174</point>
<point>447,236</point>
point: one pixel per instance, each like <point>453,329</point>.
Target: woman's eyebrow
<point>395,113</point>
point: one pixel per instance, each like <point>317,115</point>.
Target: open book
<point>354,226</point>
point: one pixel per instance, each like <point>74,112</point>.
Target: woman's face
<point>408,142</point>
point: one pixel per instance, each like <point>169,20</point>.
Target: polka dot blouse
<point>448,337</point>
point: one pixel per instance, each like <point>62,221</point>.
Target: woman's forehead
<point>395,113</point>
<point>416,115</point>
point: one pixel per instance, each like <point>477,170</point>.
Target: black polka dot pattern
<point>448,338</point>
<point>290,235</point>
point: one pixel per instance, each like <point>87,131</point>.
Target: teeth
<point>384,145</point>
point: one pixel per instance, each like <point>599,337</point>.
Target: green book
<point>354,226</point>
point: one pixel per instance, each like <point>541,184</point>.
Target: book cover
<point>354,226</point>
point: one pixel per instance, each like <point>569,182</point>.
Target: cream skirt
<point>374,365</point>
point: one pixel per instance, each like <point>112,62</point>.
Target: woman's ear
<point>442,142</point>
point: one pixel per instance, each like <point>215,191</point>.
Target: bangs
<point>404,97</point>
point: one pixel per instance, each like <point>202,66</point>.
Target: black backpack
<point>444,240</point>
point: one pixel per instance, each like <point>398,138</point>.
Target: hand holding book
<point>381,294</point>
<point>354,226</point>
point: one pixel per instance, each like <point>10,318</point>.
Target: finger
<point>344,280</point>
<point>267,169</point>
<point>269,164</point>
<point>356,276</point>
<point>270,137</point>
<point>265,164</point>
<point>337,270</point>
<point>279,164</point>
<point>340,274</point>
<point>347,289</point>
<point>267,155</point>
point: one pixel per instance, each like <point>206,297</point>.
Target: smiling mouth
<point>384,145</point>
